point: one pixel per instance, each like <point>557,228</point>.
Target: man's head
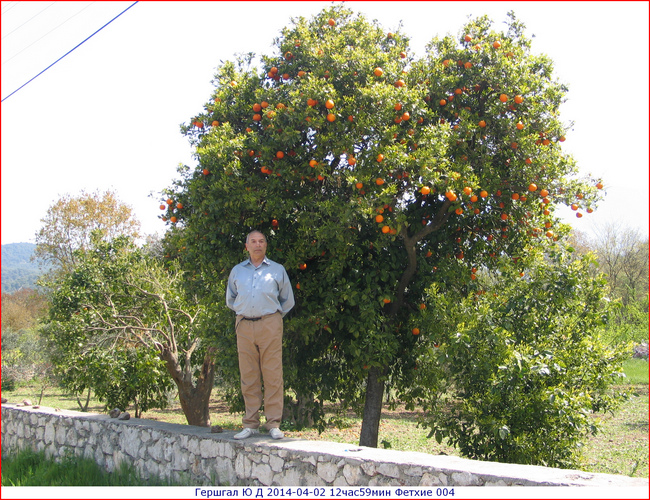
<point>256,245</point>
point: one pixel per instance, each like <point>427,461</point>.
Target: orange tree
<point>375,174</point>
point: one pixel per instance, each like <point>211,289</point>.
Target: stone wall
<point>196,456</point>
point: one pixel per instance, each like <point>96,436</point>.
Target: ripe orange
<point>443,102</point>
<point>532,187</point>
<point>451,196</point>
<point>473,198</point>
<point>520,126</point>
<point>257,117</point>
<point>423,306</point>
<point>574,206</point>
<point>279,155</point>
<point>264,104</point>
<point>519,99</point>
<point>331,22</point>
<point>162,207</point>
<point>504,216</point>
<point>173,219</point>
<point>179,205</point>
<point>599,185</point>
<point>528,161</point>
<point>425,190</point>
<point>313,163</point>
<point>467,190</point>
<point>503,98</point>
<point>402,55</point>
<point>257,107</point>
<point>385,229</point>
<point>400,83</point>
<point>359,185</point>
<point>386,300</point>
<point>515,196</point>
<point>482,124</point>
<point>578,215</point>
<point>379,219</point>
<point>329,104</point>
<point>331,117</point>
<point>468,65</point>
<point>496,44</point>
<point>352,160</point>
<point>380,157</point>
<point>379,181</point>
<point>459,211</point>
<point>170,201</point>
<point>406,116</point>
<point>415,331</point>
<point>378,71</point>
<point>468,38</point>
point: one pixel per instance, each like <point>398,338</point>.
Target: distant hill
<point>18,271</point>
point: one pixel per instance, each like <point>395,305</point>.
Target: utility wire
<point>53,29</point>
<point>71,50</point>
<point>35,15</point>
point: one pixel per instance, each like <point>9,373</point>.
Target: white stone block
<point>327,471</point>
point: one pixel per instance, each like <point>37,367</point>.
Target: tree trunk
<point>194,398</point>
<point>372,409</point>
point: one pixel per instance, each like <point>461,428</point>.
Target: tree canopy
<point>377,174</point>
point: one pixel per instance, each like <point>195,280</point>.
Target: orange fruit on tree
<point>279,155</point>
<point>599,185</point>
<point>496,44</point>
<point>504,216</point>
<point>519,99</point>
<point>302,266</point>
<point>331,117</point>
<point>398,106</point>
<point>473,198</point>
<point>574,206</point>
<point>468,38</point>
<point>406,116</point>
<point>329,104</point>
<point>359,185</point>
<point>520,126</point>
<point>423,306</point>
<point>379,181</point>
<point>482,124</point>
<point>331,22</point>
<point>380,157</point>
<point>425,190</point>
<point>386,300</point>
<point>313,163</point>
<point>467,190</point>
<point>257,107</point>
<point>173,219</point>
<point>179,205</point>
<point>443,102</point>
<point>379,219</point>
<point>515,196</point>
<point>170,201</point>
<point>257,117</point>
<point>400,83</point>
<point>451,196</point>
<point>264,104</point>
<point>378,71</point>
<point>483,193</point>
<point>385,229</point>
<point>415,331</point>
<point>352,160</point>
<point>162,207</point>
<point>532,187</point>
<point>503,98</point>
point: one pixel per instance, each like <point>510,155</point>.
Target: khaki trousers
<point>259,345</point>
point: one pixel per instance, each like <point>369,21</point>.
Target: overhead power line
<point>53,29</point>
<point>71,50</point>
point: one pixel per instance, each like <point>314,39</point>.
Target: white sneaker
<point>246,433</point>
<point>276,433</point>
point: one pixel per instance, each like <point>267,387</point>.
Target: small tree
<point>72,220</point>
<point>121,324</point>
<point>513,371</point>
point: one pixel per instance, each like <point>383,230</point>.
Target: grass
<point>621,447</point>
<point>30,468</point>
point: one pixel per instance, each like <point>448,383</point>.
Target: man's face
<point>256,245</point>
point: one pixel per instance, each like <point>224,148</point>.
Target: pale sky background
<point>107,116</point>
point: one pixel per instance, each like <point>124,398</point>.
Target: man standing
<point>260,293</point>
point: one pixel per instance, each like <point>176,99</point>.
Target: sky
<point>108,114</point>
